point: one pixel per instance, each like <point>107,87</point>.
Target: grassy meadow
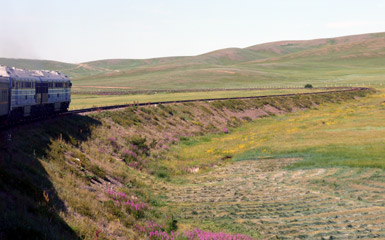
<point>350,134</point>
<point>313,174</point>
<point>322,62</point>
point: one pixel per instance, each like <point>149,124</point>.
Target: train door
<point>44,93</point>
<point>4,97</point>
<point>38,93</point>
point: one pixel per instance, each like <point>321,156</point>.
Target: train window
<point>4,95</point>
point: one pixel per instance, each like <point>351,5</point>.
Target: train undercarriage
<point>34,112</point>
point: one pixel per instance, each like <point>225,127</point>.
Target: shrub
<point>140,146</point>
<point>131,204</point>
<point>308,86</point>
<point>162,173</point>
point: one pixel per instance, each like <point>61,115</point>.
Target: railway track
<point>104,108</point>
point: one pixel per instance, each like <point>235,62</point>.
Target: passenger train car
<point>32,93</point>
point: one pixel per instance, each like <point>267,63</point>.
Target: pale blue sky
<point>85,30</point>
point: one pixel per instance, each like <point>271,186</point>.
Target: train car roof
<point>3,71</point>
<point>18,73</point>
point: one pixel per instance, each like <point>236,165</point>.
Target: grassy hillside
<point>104,175</point>
<point>354,59</point>
<point>317,174</point>
<point>36,64</point>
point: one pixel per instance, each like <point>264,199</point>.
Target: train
<point>32,93</point>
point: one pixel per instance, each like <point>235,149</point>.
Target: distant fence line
<point>258,87</point>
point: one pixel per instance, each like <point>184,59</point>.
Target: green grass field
<point>313,174</point>
<point>324,62</point>
<point>350,134</point>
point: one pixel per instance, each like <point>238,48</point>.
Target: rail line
<point>93,109</point>
<point>104,108</point>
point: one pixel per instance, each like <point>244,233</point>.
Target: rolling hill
<point>356,59</point>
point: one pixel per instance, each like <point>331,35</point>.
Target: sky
<point>77,31</point>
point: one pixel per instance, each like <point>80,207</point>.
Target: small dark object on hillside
<point>308,86</point>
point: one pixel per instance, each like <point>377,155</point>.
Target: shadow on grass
<point>29,204</point>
